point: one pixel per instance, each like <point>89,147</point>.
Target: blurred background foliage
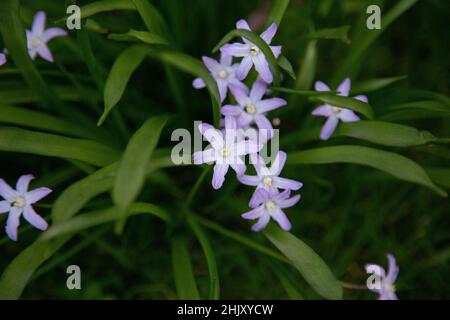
<point>348,214</point>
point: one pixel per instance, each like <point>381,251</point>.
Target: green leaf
<point>392,163</point>
<point>13,34</point>
<point>182,269</point>
<point>121,71</point>
<point>132,168</point>
<point>279,8</point>
<point>144,36</point>
<point>307,72</point>
<point>348,103</point>
<point>153,20</point>
<point>257,41</point>
<point>374,84</point>
<point>340,33</point>
<point>97,7</point>
<point>440,175</point>
<point>91,219</point>
<point>25,141</point>
<point>286,66</point>
<point>306,261</point>
<point>385,133</point>
<point>214,289</point>
<point>350,66</point>
<point>299,92</point>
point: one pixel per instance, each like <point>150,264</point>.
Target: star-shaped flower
<point>19,202</point>
<point>334,114</point>
<point>252,54</point>
<point>224,72</point>
<point>268,206</point>
<point>252,108</point>
<point>225,150</point>
<point>386,290</point>
<point>268,178</point>
<point>3,58</point>
<point>38,37</point>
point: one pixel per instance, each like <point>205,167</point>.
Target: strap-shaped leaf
<point>25,141</point>
<point>392,163</point>
<point>306,261</point>
<point>132,168</point>
<point>135,35</point>
<point>340,33</point>
<point>278,11</point>
<point>182,270</point>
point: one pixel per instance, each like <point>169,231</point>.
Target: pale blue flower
<point>19,202</point>
<point>386,289</point>
<point>334,114</point>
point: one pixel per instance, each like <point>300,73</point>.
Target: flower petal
<point>198,83</point>
<point>344,87</point>
<point>264,124</point>
<point>226,59</point>
<point>262,66</point>
<point>45,53</point>
<point>13,222</point>
<point>262,223</point>
<point>280,217</point>
<point>276,50</point>
<point>35,195</point>
<point>244,67</point>
<point>242,24</point>
<point>323,111</point>
<point>212,65</point>
<point>206,156</point>
<point>5,206</point>
<point>392,269</point>
<point>286,184</point>
<point>244,120</point>
<point>34,219</point>
<point>278,163</point>
<point>51,33</point>
<point>240,95</point>
<point>235,49</point>
<point>220,170</point>
<point>348,115</point>
<point>269,33</point>
<point>249,180</point>
<point>320,86</point>
<point>23,183</point>
<point>238,166</point>
<point>39,23</point>
<point>247,147</point>
<point>362,98</point>
<point>329,127</point>
<point>290,202</point>
<point>6,191</point>
<point>254,213</point>
<point>231,111</point>
<point>3,59</point>
<point>212,135</point>
<point>270,104</point>
<point>258,90</point>
<point>223,89</point>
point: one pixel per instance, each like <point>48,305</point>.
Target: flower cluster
<point>230,144</point>
<point>37,39</point>
<point>19,202</point>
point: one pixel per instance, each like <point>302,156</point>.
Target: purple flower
<point>268,205</point>
<point>334,114</point>
<point>251,107</point>
<point>386,289</point>
<point>38,37</point>
<point>225,150</point>
<point>224,72</point>
<point>18,202</point>
<point>268,178</point>
<point>251,54</point>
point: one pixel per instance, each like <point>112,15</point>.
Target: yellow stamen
<point>250,108</point>
<point>336,109</point>
<point>271,206</point>
<point>225,152</point>
<point>254,51</point>
<point>223,74</point>
<point>35,41</point>
<point>267,182</point>
<point>18,202</point>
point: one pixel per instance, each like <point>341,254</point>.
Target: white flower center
<point>18,202</point>
<point>267,182</point>
<point>271,206</point>
<point>225,152</point>
<point>254,51</point>
<point>223,74</point>
<point>336,109</point>
<point>35,41</point>
<point>250,108</point>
